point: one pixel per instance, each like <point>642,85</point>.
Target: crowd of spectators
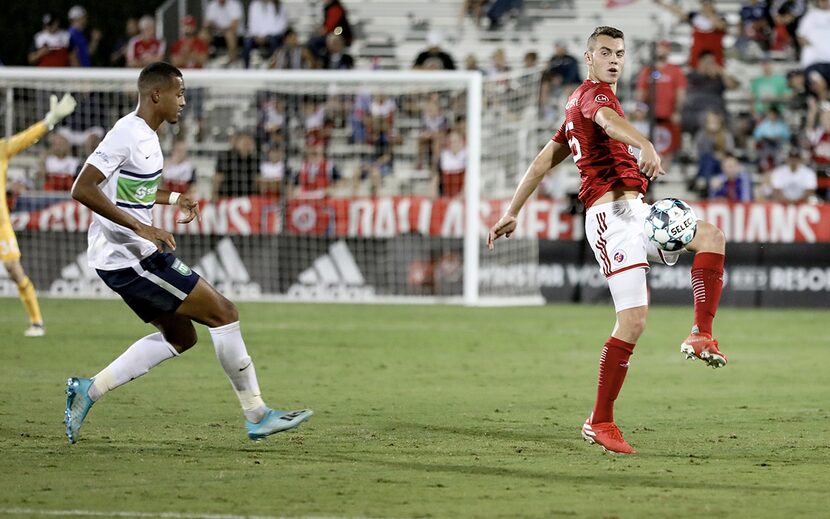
<point>735,154</point>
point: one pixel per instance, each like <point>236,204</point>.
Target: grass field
<point>424,411</point>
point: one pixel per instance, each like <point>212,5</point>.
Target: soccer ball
<point>671,224</point>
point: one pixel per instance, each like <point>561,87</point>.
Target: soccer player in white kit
<point>120,183</point>
<point>600,140</point>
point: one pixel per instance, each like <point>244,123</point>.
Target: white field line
<point>34,512</point>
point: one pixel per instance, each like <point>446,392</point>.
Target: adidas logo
<point>224,269</point>
<point>334,275</point>
<point>79,279</point>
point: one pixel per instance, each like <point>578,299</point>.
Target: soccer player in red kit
<point>613,183</point>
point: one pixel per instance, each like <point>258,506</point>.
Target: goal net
<point>329,186</point>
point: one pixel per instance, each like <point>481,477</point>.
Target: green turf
<point>424,411</point>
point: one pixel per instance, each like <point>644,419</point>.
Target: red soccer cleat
<point>702,346</point>
<point>608,436</point>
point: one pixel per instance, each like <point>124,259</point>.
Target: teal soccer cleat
<point>78,404</point>
<point>273,422</point>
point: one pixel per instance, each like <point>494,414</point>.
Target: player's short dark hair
<point>604,30</point>
<point>157,75</point>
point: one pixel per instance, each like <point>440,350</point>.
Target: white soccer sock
<point>234,358</point>
<point>145,354</point>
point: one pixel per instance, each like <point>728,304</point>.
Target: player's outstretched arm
<point>86,191</point>
<point>188,206</point>
<point>621,130</point>
<point>551,155</point>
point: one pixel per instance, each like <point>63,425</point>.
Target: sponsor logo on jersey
<point>334,275</point>
<point>136,191</point>
<point>601,98</point>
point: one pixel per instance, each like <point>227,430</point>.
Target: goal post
<point>382,231</point>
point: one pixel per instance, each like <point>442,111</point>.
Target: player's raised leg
<point>207,306</point>
<point>709,246</point>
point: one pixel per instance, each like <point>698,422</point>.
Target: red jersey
<point>191,45</point>
<point>316,176</point>
<point>138,48</point>
<point>604,163</point>
<point>820,144</point>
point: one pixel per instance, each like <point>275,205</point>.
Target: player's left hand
<point>504,227</point>
<point>189,209</point>
<point>59,109</point>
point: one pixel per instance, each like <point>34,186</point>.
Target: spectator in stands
<point>434,57</point>
<point>473,9</point>
<point>818,137</point>
<point>51,45</point>
<point>452,166</point>
<point>560,78</point>
<point>434,126</point>
<point>755,31</point>
<point>770,136</point>
<point>376,166</point>
<point>786,15</point>
<point>271,173</point>
<point>91,117</point>
<point>292,55</point>
<point>191,50</point>
<point>84,49</point>
<point>88,148</point>
<point>814,36</point>
<point>316,177</point>
<point>381,121</point>
<point>315,123</point>
<point>270,121</point>
<point>734,184</point>
<point>224,20</point>
<point>668,94</point>
<point>708,29</point>
<point>335,56</point>
<point>705,92</point>
<point>267,23</point>
<point>335,21</point>
<point>793,182</point>
<point>712,142</point>
<point>471,63</point>
<point>237,169</point>
<point>498,63</point>
<point>145,48</point>
<point>769,89</point>
<point>179,174</point>
<point>118,58</point>
<point>498,8</point>
<point>530,60</point>
<point>59,167</point>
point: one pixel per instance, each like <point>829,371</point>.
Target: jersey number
<point>576,150</point>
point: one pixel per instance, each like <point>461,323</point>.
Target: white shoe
<point>35,330</point>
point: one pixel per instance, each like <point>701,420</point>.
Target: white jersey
<point>130,157</point>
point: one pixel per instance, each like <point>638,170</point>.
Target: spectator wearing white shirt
<point>812,33</point>
<point>271,173</point>
<point>793,182</point>
<point>225,21</point>
<point>267,23</point>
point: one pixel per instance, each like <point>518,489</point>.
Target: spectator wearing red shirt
<point>191,50</point>
<point>51,45</point>
<point>145,48</point>
<point>335,21</point>
<point>316,176</point>
<point>708,29</point>
<point>669,94</point>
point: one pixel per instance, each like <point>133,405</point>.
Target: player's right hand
<point>650,163</point>
<point>505,226</point>
<point>160,238</point>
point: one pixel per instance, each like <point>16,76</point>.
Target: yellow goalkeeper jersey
<point>8,149</point>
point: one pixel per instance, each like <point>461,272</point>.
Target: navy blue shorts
<point>156,286</point>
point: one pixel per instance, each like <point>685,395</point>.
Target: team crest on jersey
<point>619,256</point>
<point>601,98</point>
<point>181,268</point>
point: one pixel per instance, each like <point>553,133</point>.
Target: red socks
<point>707,284</point>
<point>613,365</point>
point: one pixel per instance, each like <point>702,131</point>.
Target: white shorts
<point>615,232</point>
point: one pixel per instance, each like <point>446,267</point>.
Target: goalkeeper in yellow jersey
<point>9,251</point>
